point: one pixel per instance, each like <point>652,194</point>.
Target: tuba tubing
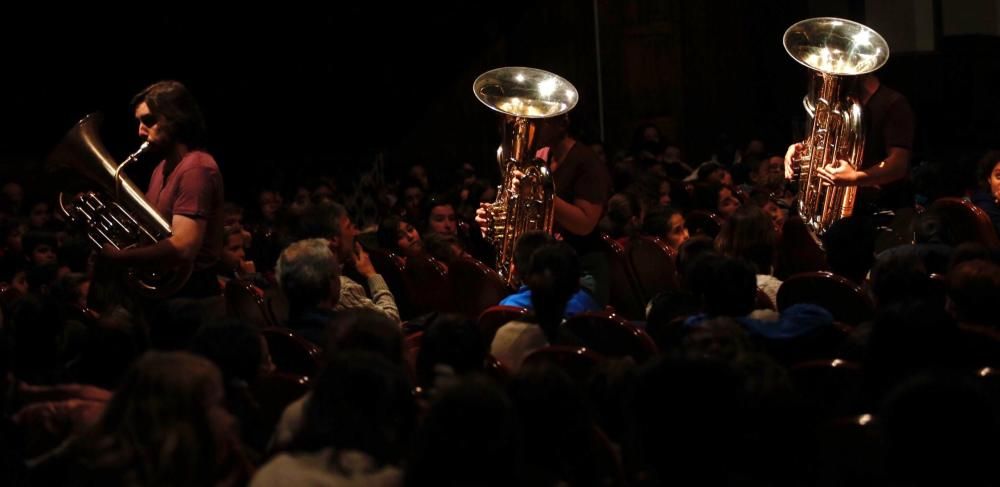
<point>524,97</point>
<point>123,221</point>
<point>837,51</point>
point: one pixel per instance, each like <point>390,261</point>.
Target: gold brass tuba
<point>524,96</point>
<point>837,50</point>
<point>125,219</point>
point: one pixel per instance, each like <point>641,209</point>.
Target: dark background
<point>297,92</point>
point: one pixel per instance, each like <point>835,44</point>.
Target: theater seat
<point>967,222</point>
<point>475,287</point>
<point>611,336</point>
<point>291,353</point>
<point>492,318</point>
<point>845,300</point>
<point>652,263</point>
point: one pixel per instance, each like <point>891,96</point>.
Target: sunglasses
<point>149,120</point>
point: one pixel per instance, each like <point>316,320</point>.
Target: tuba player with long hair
<point>185,188</point>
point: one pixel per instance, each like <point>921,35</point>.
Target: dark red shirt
<point>193,189</point>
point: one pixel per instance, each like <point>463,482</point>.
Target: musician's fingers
<point>825,175</point>
<point>790,156</point>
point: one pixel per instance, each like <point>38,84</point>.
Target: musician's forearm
<point>893,168</point>
<point>162,251</point>
<point>574,219</point>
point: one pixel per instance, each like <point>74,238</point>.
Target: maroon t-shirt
<point>582,175</point>
<point>193,189</point>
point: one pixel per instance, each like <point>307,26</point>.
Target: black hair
<point>175,103</point>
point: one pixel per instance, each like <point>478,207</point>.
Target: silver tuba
<point>837,50</point>
<point>123,220</point>
<point>524,96</point>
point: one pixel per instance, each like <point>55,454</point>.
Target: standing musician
<point>889,131</point>
<point>582,186</point>
<point>186,188</point>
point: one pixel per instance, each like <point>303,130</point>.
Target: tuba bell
<point>838,51</point>
<point>524,97</point>
<point>119,215</point>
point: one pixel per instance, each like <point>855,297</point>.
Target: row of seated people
<point>694,341</point>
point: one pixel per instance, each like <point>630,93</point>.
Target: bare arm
<point>895,167</point>
<point>183,245</point>
<point>579,217</point>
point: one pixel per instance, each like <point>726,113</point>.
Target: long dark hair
<point>749,234</point>
<point>362,402</point>
<point>164,426</point>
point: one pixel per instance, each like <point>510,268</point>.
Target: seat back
<point>580,363</point>
<point>291,353</point>
<point>827,386</point>
<point>492,318</point>
<point>824,343</point>
<point>275,391</point>
<point>8,294</point>
<point>245,302</point>
<point>475,287</point>
<point>703,223</point>
<point>967,222</point>
<point>277,305</point>
<point>427,285</point>
<point>392,268</point>
<point>937,290</point>
<point>411,349</point>
<point>496,370</point>
<point>625,295</point>
<point>763,301</point>
<point>980,346</point>
<point>851,452</point>
<point>798,250</point>
<point>845,300</point>
<point>652,263</point>
<point>611,336</point>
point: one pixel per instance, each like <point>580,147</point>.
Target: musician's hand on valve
<point>792,156</point>
<point>838,173</point>
<point>481,217</point>
<point>515,181</point>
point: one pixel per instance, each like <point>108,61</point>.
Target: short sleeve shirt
<point>193,189</point>
<point>889,122</point>
<point>581,175</point>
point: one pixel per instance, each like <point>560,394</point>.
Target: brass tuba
<point>837,50</point>
<point>524,96</point>
<point>125,219</point>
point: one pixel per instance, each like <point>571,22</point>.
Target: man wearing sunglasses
<point>186,187</point>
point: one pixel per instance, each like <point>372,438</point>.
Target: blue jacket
<point>578,303</point>
<point>796,320</point>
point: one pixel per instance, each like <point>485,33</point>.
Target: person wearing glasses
<point>186,187</point>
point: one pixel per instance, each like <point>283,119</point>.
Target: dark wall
<point>295,92</point>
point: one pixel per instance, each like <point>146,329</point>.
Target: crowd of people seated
<point>352,347</point>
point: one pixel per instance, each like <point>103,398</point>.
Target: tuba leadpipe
<point>124,219</point>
